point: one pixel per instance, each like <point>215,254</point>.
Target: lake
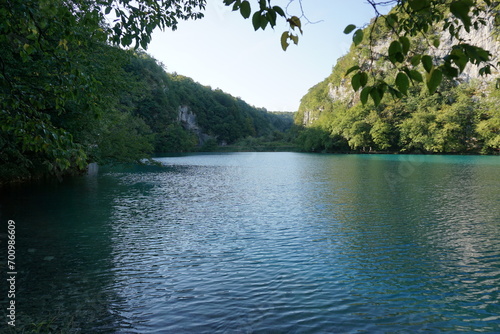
<point>261,243</point>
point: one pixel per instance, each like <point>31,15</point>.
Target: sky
<point>223,50</point>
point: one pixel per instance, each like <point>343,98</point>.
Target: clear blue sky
<point>222,50</point>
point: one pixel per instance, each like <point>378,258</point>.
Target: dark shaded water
<point>262,242</point>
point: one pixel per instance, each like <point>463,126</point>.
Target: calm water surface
<point>262,243</point>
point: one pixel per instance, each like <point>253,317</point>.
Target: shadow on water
<point>63,255</point>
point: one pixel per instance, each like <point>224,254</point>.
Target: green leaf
<point>434,79</point>
<point>461,9</point>
<point>402,82</point>
<point>295,39</point>
<point>427,62</point>
<point>245,9</point>
<point>356,81</point>
<point>126,40</point>
<point>284,40</point>
<point>395,93</point>
<point>263,22</point>
<point>415,75</point>
<point>486,70</point>
<point>376,93</point>
<point>350,28</point>
<point>415,60</point>
<point>107,10</point>
<point>449,71</point>
<point>279,11</point>
<point>418,5</point>
<point>256,20</point>
<point>357,38</point>
<point>405,43</point>
<point>460,59</point>
<point>363,79</point>
<point>363,96</point>
<point>271,15</point>
<point>352,69</point>
<point>396,52</point>
<point>391,20</point>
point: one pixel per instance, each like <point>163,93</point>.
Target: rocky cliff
<point>187,118</point>
<point>337,89</point>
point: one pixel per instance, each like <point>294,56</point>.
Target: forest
<point>69,96</point>
<point>450,109</point>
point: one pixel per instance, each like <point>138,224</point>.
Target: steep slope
<point>462,117</point>
<point>184,114</point>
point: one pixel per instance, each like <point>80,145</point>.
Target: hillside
<point>121,107</point>
<point>186,115</point>
<point>462,117</point>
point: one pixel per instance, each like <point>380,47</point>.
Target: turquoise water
<point>262,243</point>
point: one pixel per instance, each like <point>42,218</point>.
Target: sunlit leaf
<point>295,22</point>
<point>415,60</point>
<point>284,40</point>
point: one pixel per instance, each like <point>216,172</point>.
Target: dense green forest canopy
<point>71,94</point>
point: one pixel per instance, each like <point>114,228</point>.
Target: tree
<point>45,74</point>
<point>410,23</point>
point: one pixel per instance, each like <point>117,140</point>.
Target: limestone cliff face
<point>484,38</point>
<point>187,118</point>
<point>340,89</point>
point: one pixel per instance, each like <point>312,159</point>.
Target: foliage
<point>175,139</point>
<point>411,24</point>
<point>68,97</point>
<point>461,119</point>
<point>52,87</point>
<point>425,114</point>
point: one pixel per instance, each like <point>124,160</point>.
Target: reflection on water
<point>261,242</point>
